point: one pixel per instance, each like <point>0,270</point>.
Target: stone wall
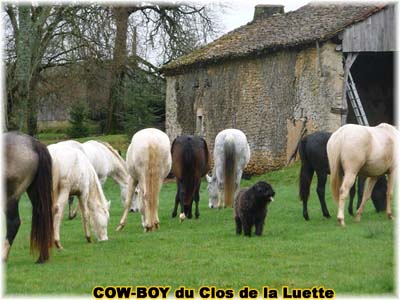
<point>265,97</point>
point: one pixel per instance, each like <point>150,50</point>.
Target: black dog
<point>251,207</point>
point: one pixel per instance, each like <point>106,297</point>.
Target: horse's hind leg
<point>389,194</point>
<point>196,201</point>
<point>13,223</point>
<point>128,203</point>
<point>175,210</point>
<point>321,193</point>
<point>352,194</point>
<point>83,203</point>
<point>369,185</point>
<point>59,210</point>
<point>72,213</point>
<point>348,181</point>
<point>306,176</point>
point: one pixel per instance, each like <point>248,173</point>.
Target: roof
<point>310,23</point>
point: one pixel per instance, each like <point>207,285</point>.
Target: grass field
<point>356,260</point>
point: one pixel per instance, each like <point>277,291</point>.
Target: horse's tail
<point>335,167</point>
<point>188,171</point>
<point>229,170</point>
<point>41,195</point>
<point>306,172</point>
<point>152,181</point>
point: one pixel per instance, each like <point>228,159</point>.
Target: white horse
<point>149,161</point>
<point>368,151</point>
<point>73,174</point>
<point>231,155</point>
<point>107,162</point>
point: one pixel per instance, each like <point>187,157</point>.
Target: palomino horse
<point>314,158</point>
<point>73,174</point>
<point>107,162</point>
<point>28,167</point>
<point>368,151</point>
<point>231,155</point>
<point>190,162</point>
<point>149,161</point>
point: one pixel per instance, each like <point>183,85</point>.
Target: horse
<point>73,174</point>
<point>314,158</point>
<point>107,162</point>
<point>148,161</point>
<point>190,162</point>
<point>28,167</point>
<point>231,155</point>
<point>368,151</point>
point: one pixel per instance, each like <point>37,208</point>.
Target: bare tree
<point>177,29</point>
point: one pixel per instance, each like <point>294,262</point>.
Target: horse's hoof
<point>357,218</point>
<point>157,225</point>
<point>120,226</point>
<point>390,216</point>
<point>182,217</point>
<point>58,245</point>
<point>173,215</point>
<point>306,217</point>
<point>72,216</point>
<point>89,239</point>
<point>341,222</point>
<point>197,216</point>
<point>328,216</point>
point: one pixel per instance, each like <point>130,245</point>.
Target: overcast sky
<point>241,12</point>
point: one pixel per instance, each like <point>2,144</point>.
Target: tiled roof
<point>308,24</point>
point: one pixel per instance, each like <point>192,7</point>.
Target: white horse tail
<point>152,182</point>
<point>335,165</point>
<point>229,170</point>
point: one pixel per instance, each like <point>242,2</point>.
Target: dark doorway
<point>373,74</point>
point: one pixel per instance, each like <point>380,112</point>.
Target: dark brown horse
<point>190,162</point>
<point>28,167</point>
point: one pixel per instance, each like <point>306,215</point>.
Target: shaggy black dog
<point>251,207</point>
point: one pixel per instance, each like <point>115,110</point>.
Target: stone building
<point>282,74</point>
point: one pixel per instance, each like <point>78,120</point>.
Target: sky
<point>241,12</point>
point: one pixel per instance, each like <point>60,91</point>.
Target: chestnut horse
<point>28,167</point>
<point>368,151</point>
<point>190,162</point>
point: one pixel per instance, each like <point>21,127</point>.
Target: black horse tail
<point>189,171</point>
<point>41,195</point>
<point>229,170</point>
<point>306,172</point>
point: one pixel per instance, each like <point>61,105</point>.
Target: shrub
<point>77,117</point>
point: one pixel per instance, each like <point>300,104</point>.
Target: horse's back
<point>71,166</point>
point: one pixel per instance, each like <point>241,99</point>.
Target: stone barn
<point>284,74</point>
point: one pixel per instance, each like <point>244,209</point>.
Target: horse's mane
<point>115,153</point>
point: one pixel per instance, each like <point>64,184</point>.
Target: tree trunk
<point>32,107</point>
<point>121,15</point>
<point>17,114</point>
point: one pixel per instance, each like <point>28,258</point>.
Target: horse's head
<point>100,221</point>
<point>212,189</point>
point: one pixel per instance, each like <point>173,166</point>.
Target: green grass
<point>355,260</point>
